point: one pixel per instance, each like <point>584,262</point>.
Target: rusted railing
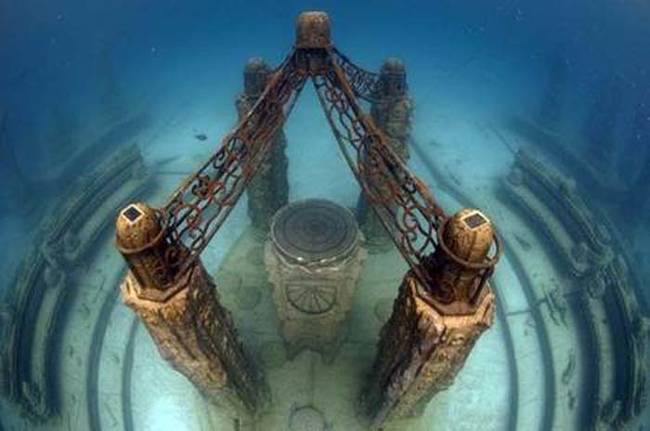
<point>198,208</point>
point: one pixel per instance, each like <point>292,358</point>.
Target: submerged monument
<point>435,325</point>
<point>444,303</point>
<point>183,315</point>
<point>392,110</point>
<point>314,259</point>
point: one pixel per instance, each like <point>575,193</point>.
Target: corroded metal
<point>201,204</point>
<point>140,237</point>
<point>268,191</point>
<point>391,111</point>
<point>373,87</point>
<point>449,274</point>
<point>433,327</point>
<point>313,30</point>
<point>364,83</point>
<point>462,262</point>
<point>402,201</point>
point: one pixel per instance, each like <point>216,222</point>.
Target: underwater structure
<point>316,318</point>
<point>391,110</point>
<point>183,315</point>
<point>269,189</point>
<point>444,304</point>
<point>314,259</point>
<point>434,327</point>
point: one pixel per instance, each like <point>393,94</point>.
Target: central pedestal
<point>313,258</point>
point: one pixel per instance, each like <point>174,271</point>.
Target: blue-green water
<point>82,81</point>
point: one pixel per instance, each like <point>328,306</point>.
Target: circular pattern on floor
<point>306,418</point>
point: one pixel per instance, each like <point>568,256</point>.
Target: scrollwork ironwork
<point>401,200</point>
<point>198,208</point>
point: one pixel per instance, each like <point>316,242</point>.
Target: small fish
<point>201,136</point>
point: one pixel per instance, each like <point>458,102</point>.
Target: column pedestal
<point>420,352</point>
<point>196,335</point>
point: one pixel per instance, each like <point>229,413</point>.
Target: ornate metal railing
<point>365,84</point>
<point>402,202</point>
<point>198,208</point>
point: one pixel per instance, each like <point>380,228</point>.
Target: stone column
<point>314,258</point>
<point>391,112</point>
<point>268,191</point>
<point>432,329</point>
<point>182,313</point>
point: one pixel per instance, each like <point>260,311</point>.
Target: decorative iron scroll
<point>400,199</point>
<point>198,208</point>
<point>365,84</point>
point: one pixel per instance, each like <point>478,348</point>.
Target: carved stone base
<point>420,351</point>
<point>314,259</point>
<point>196,335</point>
<point>321,329</point>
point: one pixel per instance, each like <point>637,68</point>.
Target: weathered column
<point>182,313</point>
<point>391,112</point>
<point>433,328</point>
<point>268,191</point>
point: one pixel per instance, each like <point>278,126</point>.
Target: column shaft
<point>420,352</point>
<point>196,335</point>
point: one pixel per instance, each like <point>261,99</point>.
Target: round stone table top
<point>314,230</point>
